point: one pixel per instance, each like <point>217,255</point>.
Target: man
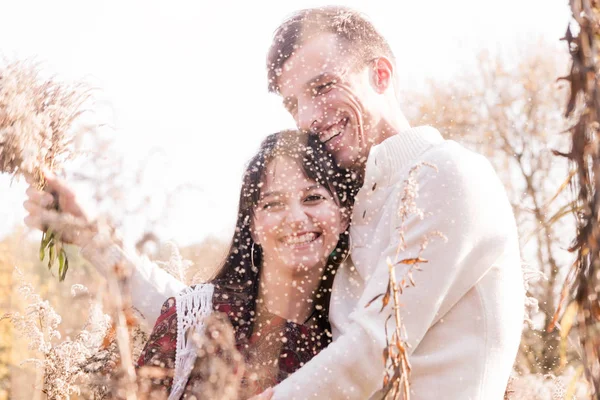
<point>337,77</point>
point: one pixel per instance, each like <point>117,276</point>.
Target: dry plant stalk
<point>60,363</point>
<point>219,368</point>
<point>217,372</point>
<point>123,381</point>
<point>37,120</point>
<point>123,316</point>
<point>583,280</point>
<point>396,381</point>
<point>176,266</point>
<point>105,379</point>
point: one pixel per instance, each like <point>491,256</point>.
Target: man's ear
<point>382,74</point>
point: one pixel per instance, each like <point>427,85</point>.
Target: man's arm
<point>467,203</point>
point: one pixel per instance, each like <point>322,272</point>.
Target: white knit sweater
<point>463,318</point>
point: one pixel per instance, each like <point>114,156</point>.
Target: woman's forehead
<point>284,174</point>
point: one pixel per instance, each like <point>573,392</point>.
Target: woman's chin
<point>306,265</point>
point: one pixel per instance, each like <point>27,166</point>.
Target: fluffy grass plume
<point>38,121</point>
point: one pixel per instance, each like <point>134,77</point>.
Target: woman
<point>275,283</point>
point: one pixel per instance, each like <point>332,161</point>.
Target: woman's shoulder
<point>203,291</point>
<point>167,311</point>
<point>230,300</point>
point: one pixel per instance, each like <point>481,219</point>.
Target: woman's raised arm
<point>58,209</point>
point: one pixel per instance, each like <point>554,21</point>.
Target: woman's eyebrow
<point>313,187</point>
<point>278,193</point>
<point>269,194</point>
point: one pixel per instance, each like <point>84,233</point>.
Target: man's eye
<point>324,88</point>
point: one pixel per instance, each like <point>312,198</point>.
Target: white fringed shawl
<point>193,305</point>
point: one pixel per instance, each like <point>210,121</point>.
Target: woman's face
<point>297,222</point>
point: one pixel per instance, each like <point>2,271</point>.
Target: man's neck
<point>384,130</point>
<point>393,124</point>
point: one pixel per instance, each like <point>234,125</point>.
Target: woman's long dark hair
<point>241,269</point>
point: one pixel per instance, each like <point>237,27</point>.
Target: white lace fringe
<point>193,305</point>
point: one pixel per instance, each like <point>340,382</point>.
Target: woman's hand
<point>59,211</point>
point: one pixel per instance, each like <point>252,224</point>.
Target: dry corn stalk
<point>581,288</point>
<point>396,380</point>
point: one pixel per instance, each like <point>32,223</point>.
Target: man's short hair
<point>364,42</point>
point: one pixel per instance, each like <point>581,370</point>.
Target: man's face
<point>327,95</point>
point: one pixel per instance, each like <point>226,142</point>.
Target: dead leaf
<point>411,261</point>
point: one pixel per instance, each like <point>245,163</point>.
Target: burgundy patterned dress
<point>274,350</point>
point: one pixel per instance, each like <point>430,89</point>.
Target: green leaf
<point>51,255</point>
<point>66,268</point>
<point>52,242</point>
<point>43,244</point>
<point>61,265</point>
<point>49,236</point>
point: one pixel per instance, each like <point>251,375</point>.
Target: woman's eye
<point>270,205</point>
<point>314,198</point>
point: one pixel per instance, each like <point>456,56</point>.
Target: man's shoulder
<point>452,166</point>
<point>449,176</point>
<point>456,157</point>
<point>464,182</point>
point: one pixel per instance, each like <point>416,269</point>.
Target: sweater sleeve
<point>465,201</point>
<point>150,284</point>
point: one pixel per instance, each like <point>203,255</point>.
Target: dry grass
<point>38,117</point>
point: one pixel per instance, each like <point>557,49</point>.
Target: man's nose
<point>307,117</point>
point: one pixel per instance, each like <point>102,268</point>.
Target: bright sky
<point>188,77</point>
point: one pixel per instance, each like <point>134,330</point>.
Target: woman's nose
<point>296,215</point>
